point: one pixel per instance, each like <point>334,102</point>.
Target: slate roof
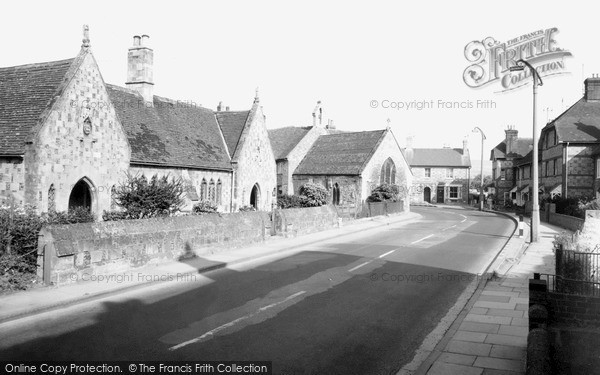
<point>437,157</point>
<point>340,154</point>
<point>26,91</point>
<point>232,124</point>
<point>283,140</point>
<point>170,133</point>
<point>527,159</point>
<point>580,123</point>
<point>521,149</point>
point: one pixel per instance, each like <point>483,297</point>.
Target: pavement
<point>43,299</point>
<point>490,334</point>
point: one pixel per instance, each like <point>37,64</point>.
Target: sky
<point>348,54</point>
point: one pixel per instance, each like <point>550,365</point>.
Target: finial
<point>256,95</point>
<point>86,37</point>
<point>388,123</point>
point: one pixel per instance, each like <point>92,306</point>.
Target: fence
<point>560,284</point>
<point>575,265</point>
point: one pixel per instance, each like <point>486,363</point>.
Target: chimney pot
<point>145,39</point>
<point>220,106</point>
<point>136,40</point>
<point>227,108</point>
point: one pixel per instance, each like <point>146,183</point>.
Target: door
<point>440,194</point>
<point>427,194</point>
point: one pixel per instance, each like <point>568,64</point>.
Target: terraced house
<point>67,138</point>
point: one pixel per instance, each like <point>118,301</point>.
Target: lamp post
<point>478,129</point>
<point>535,212</point>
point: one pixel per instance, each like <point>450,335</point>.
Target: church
<point>68,138</point>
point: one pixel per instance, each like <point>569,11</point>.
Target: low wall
<point>371,209</point>
<point>549,215</point>
<point>112,246</point>
<point>297,221</point>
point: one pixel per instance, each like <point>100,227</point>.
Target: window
<point>513,195</point>
<point>427,172</point>
<point>203,190</point>
<point>51,199</point>
<point>598,168</point>
<point>453,192</point>
<point>503,174</point>
<point>219,191</point>
<point>557,166</point>
<point>543,169</point>
<point>388,172</point>
<point>212,191</point>
<point>449,172</point>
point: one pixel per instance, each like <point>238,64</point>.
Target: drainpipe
<point>566,174</point>
<point>232,190</point>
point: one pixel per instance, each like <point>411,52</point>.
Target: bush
<point>384,192</point>
<point>204,207</point>
<point>315,195</point>
<point>114,215</point>
<point>142,198</point>
<point>290,201</point>
<point>16,272</point>
<point>73,216</point>
<point>573,206</point>
<point>247,209</point>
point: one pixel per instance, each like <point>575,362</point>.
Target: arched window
<point>219,191</point>
<point>51,199</point>
<point>336,194</point>
<point>211,191</point>
<point>113,194</point>
<point>388,172</point>
<point>203,190</point>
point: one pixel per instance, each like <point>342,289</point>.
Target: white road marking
<point>453,226</point>
<point>357,267</point>
<point>422,239</point>
<point>233,322</point>
<point>388,253</point>
<point>465,218</point>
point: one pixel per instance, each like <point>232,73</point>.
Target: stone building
<point>441,175</point>
<point>351,164</point>
<point>290,145</point>
<point>67,138</point>
<point>568,144</point>
<point>505,157</point>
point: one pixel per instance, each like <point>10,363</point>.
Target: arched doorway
<point>336,194</point>
<point>81,196</point>
<point>255,196</point>
<point>427,194</point>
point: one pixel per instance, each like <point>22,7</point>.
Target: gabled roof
<point>580,123</point>
<point>341,153</point>
<point>26,91</point>
<point>170,133</point>
<point>283,140</point>
<point>527,159</point>
<point>438,157</point>
<point>521,146</point>
<point>232,125</point>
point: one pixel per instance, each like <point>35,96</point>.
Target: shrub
<point>73,216</point>
<point>16,272</point>
<point>142,198</point>
<point>290,201</point>
<point>114,215</point>
<point>314,195</point>
<point>384,192</point>
<point>204,207</point>
<point>247,209</point>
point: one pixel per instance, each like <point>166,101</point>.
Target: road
<point>357,304</point>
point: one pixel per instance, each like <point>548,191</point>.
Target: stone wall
<point>297,221</point>
<point>12,181</point>
<point>254,163</point>
<point>350,187</point>
<point>66,149</point>
<point>193,180</point>
<point>108,247</point>
<point>371,175</point>
<point>549,215</point>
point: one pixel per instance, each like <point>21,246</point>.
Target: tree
<point>316,194</point>
<point>476,182</point>
<point>142,198</point>
<point>384,192</point>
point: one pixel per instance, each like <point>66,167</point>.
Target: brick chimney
<point>330,124</point>
<point>592,88</point>
<point>140,61</point>
<point>512,135</point>
<point>465,146</point>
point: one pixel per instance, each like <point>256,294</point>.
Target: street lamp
<point>478,129</point>
<point>535,212</point>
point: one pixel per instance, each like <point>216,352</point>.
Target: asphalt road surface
<point>357,304</point>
